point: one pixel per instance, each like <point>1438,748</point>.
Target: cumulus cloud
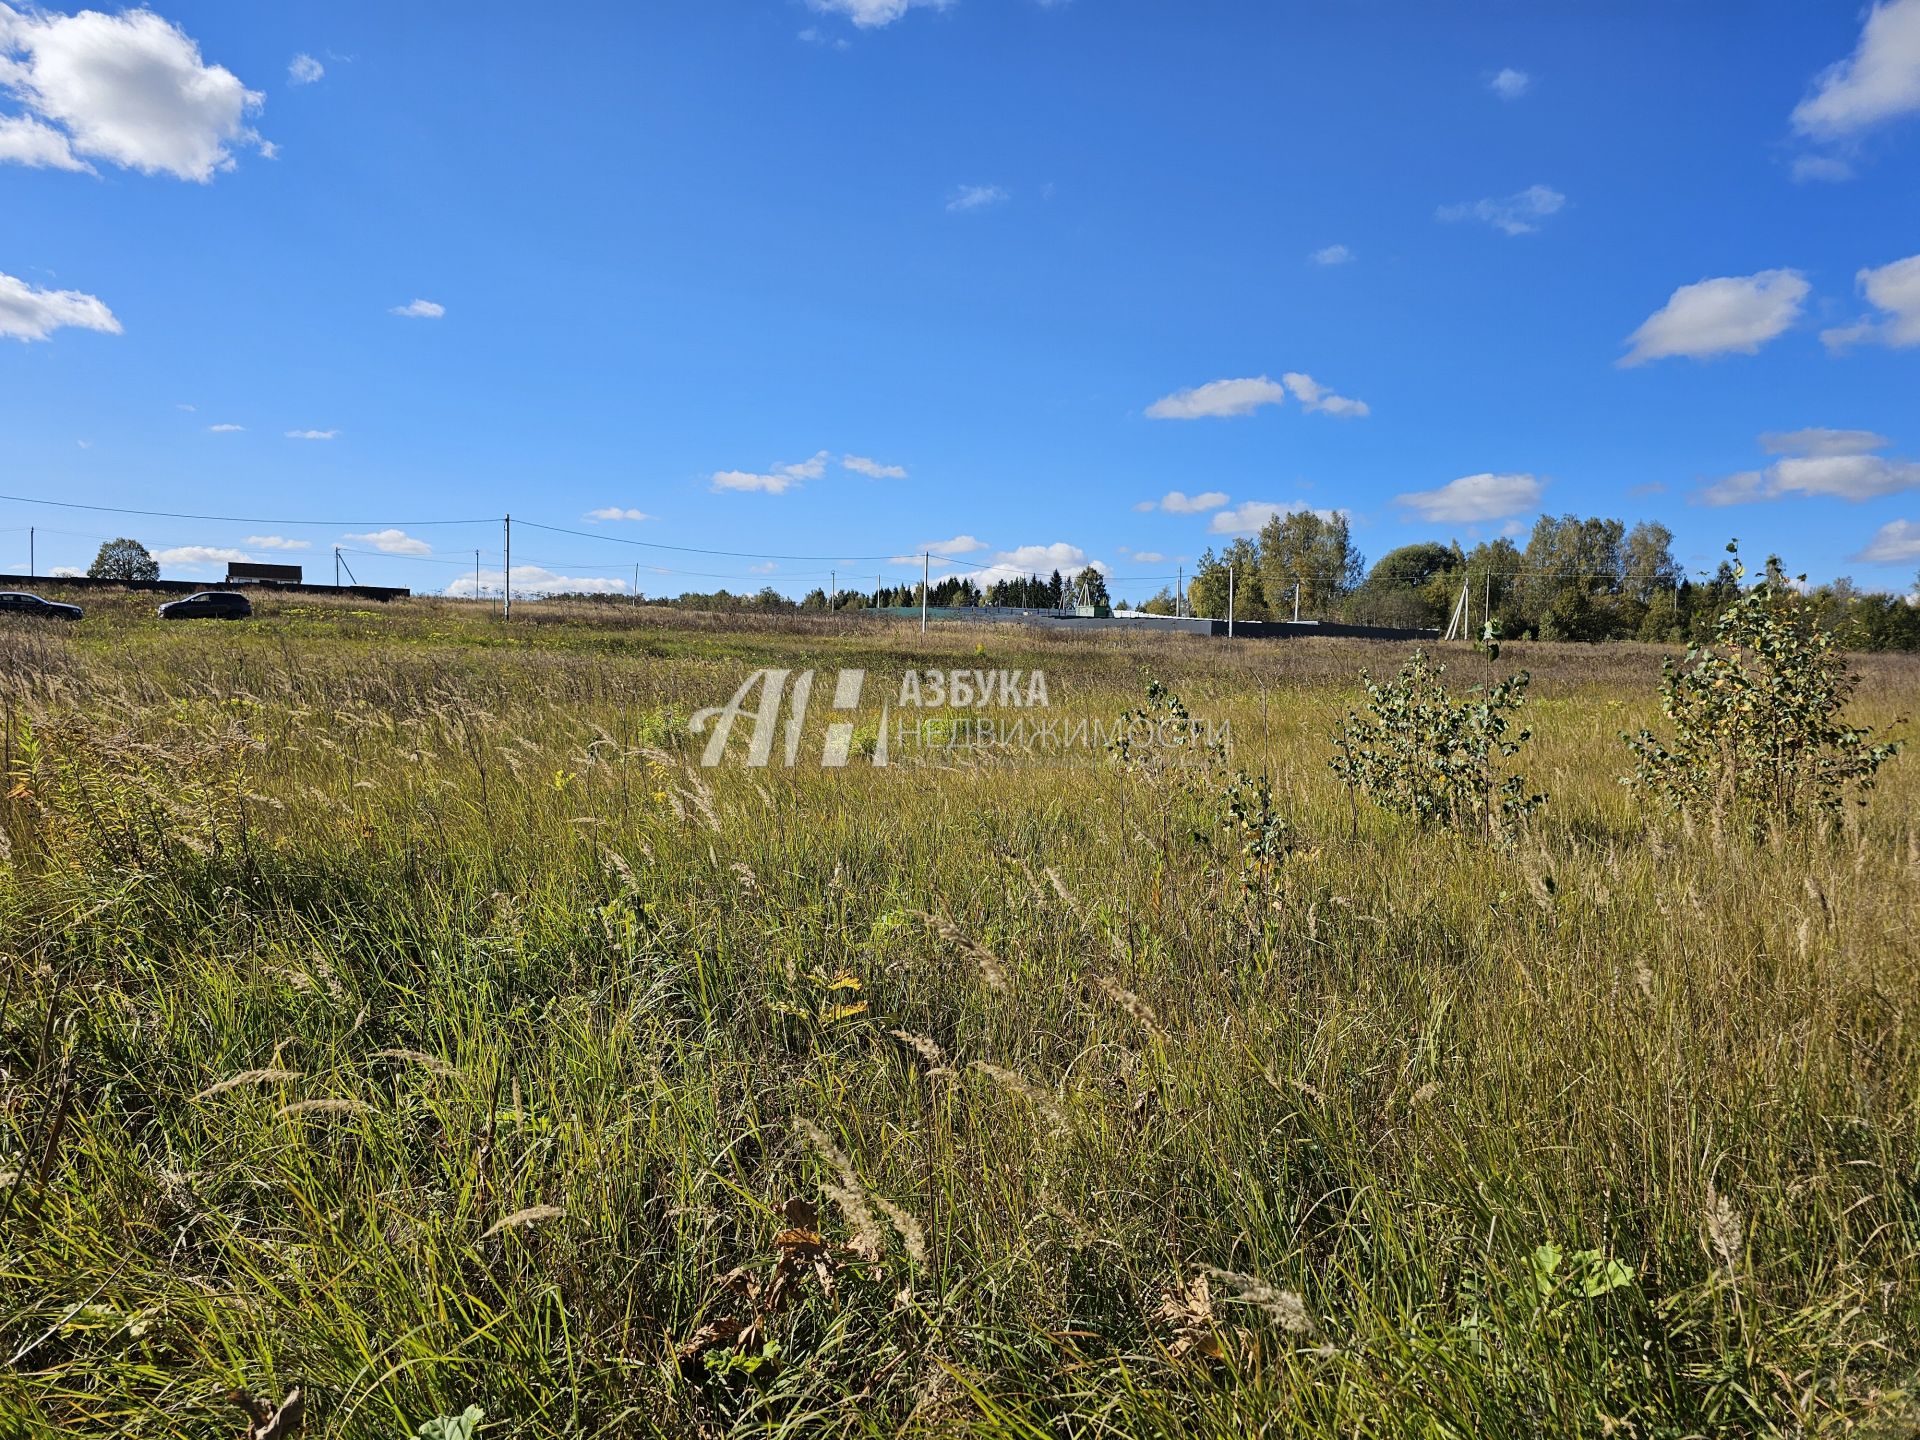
<point>1473,498</point>
<point>1894,290</point>
<point>1178,502</point>
<point>1879,81</point>
<point>224,429</point>
<point>617,512</point>
<point>420,310</point>
<point>1510,84</point>
<point>873,469</point>
<point>533,581</point>
<point>1314,396</point>
<point>1248,517</point>
<point>312,434</point>
<point>1516,214</point>
<point>27,313</point>
<point>870,13</point>
<point>304,70</point>
<point>277,542</point>
<point>775,481</point>
<point>1730,314</point>
<point>25,141</point>
<point>1024,560</point>
<point>1332,255</point>
<point>1895,543</point>
<point>130,89</point>
<point>392,542</point>
<point>1837,463</point>
<point>976,197</point>
<point>199,557</point>
<point>1218,399</point>
<point>958,545</point>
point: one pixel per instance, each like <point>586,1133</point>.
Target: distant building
<point>240,572</point>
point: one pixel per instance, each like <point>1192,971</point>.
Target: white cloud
<point>1218,399</point>
<point>224,429</point>
<point>616,512</point>
<point>1817,440</point>
<point>277,542</point>
<point>1149,557</point>
<point>420,310</point>
<point>869,13</point>
<point>198,557</point>
<point>128,88</point>
<point>958,545</point>
<point>1733,313</point>
<point>393,542</point>
<point>1473,498</point>
<point>1510,84</point>
<point>304,70</point>
<point>1837,463</point>
<point>184,406</point>
<point>30,314</point>
<point>1248,517</point>
<point>25,141</point>
<point>1895,543</point>
<point>1879,81</point>
<point>1314,396</point>
<point>312,434</point>
<point>776,481</point>
<point>1895,291</point>
<point>1516,214</point>
<point>976,197</point>
<point>873,469</point>
<point>533,581</point>
<point>1332,255</point>
<point>1025,560</point>
<point>66,572</point>
<point>1178,502</point>
<point>1820,168</point>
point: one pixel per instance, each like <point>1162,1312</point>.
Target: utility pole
<point>1229,602</point>
<point>1296,602</point>
<point>925,565</point>
<point>33,559</point>
<point>1486,597</point>
<point>833,590</point>
<point>636,582</point>
<point>336,567</point>
<point>506,572</point>
<point>1179,591</point>
<point>476,574</point>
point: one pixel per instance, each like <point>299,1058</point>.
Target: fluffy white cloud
<point>1733,313</point>
<point>304,70</point>
<point>420,310</point>
<point>392,542</point>
<point>1895,291</point>
<point>1510,84</point>
<point>1516,214</point>
<point>958,545</point>
<point>1248,517</point>
<point>533,581</point>
<point>1895,543</point>
<point>198,557</point>
<point>869,13</point>
<point>775,481</point>
<point>1332,255</point>
<point>1178,502</point>
<point>277,542</point>
<point>1218,399</point>
<point>1838,463</point>
<point>1314,396</point>
<point>873,469</point>
<point>224,429</point>
<point>1879,81</point>
<point>30,314</point>
<point>976,197</point>
<point>312,434</point>
<point>617,512</point>
<point>1474,497</point>
<point>128,88</point>
<point>1149,557</point>
<point>1024,560</point>
<point>25,141</point>
<point>66,572</point>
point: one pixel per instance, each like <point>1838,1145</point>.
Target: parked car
<point>19,602</point>
<point>208,605</point>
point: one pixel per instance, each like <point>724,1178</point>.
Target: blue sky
<point>849,278</point>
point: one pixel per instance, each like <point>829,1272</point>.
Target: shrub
<point>1435,757</point>
<point>1758,738</point>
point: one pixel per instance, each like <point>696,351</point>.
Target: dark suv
<point>208,605</point>
<point>19,602</point>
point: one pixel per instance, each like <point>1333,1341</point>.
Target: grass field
<point>394,1008</point>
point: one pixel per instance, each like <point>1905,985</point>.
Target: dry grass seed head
<point>532,1215</point>
<point>247,1077</point>
<point>324,1107</point>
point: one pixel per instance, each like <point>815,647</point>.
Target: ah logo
<point>773,692</point>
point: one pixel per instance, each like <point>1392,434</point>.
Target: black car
<point>19,602</point>
<point>208,605</point>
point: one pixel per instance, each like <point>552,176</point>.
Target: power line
<point>693,549</point>
<point>238,519</point>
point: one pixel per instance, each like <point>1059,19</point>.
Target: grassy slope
<point>614,986</point>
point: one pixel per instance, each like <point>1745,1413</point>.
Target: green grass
<point>462,881</point>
